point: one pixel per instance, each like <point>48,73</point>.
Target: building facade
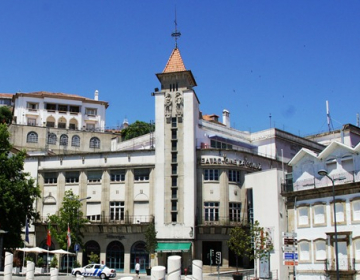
<point>189,177</point>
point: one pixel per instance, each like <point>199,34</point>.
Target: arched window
<point>52,138</point>
<point>32,137</point>
<point>75,141</point>
<point>115,255</point>
<point>64,140</point>
<point>94,142</point>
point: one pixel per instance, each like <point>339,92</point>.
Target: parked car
<point>95,270</point>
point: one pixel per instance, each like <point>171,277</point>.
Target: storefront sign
<point>229,161</point>
<point>118,237</point>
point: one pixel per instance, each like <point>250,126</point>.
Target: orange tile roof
<point>8,95</point>
<point>175,62</point>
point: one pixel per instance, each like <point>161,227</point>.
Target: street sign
<point>290,256</point>
<point>290,249</point>
<point>77,247</point>
<point>289,241</point>
<point>289,234</point>
<point>290,263</point>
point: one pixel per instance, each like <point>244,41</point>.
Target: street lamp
<point>324,173</point>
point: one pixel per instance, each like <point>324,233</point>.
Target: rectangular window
<point>50,107</point>
<point>174,217</point>
<point>234,211</point>
<point>173,145</point>
<point>93,211</point>
<point>32,106</point>
<point>61,125</point>
<point>174,169</point>
<point>320,250</point>
<point>117,175</point>
<point>211,175</point>
<point>356,210</point>
<point>319,214</point>
<point>90,127</point>
<point>174,193</point>
<point>50,124</point>
<point>173,122</point>
<point>142,174</point>
<point>173,134</point>
<point>74,109</point>
<point>50,178</point>
<point>303,216</point>
<point>72,126</point>
<point>173,157</point>
<point>340,215</point>
<point>94,176</point>
<point>211,210</point>
<point>173,205</point>
<point>117,211</point>
<point>304,251</point>
<point>31,121</point>
<point>72,177</point>
<point>91,111</point>
<point>63,108</point>
<point>174,181</point>
<point>234,176</point>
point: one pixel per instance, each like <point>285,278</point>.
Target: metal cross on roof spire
<point>176,34</point>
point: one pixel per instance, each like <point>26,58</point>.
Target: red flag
<point>48,240</point>
<point>68,237</point>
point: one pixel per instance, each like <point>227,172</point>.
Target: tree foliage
<point>136,129</point>
<point>18,192</point>
<point>5,115</point>
<point>250,241</point>
<point>150,238</point>
<point>70,214</point>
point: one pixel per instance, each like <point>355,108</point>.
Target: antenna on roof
<point>176,34</point>
<point>329,121</point>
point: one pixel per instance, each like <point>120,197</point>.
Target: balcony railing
<point>121,220</point>
<point>345,264</point>
<point>340,178</point>
<point>220,221</point>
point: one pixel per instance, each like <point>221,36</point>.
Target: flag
<point>68,237</point>
<point>48,240</point>
<point>26,230</point>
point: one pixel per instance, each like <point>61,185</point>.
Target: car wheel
<point>102,276</point>
<point>77,273</point>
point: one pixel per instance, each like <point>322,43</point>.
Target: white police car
<point>95,270</point>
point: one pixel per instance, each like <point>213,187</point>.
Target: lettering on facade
<point>228,161</point>
<point>118,237</point>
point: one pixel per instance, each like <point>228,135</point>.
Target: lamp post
<point>324,173</point>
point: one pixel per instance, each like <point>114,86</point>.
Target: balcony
<point>346,268</point>
<point>317,182</point>
<point>110,220</point>
<point>220,221</point>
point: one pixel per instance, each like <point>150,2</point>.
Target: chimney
<point>96,95</point>
<point>226,118</point>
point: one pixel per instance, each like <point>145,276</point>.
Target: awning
<point>173,247</point>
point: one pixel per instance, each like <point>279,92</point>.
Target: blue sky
<point>253,58</point>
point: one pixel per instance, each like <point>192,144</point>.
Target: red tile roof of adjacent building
<point>175,62</point>
<point>61,95</point>
<point>8,95</point>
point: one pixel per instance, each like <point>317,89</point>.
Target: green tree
<point>150,239</point>
<point>18,192</point>
<point>5,115</point>
<point>93,258</point>
<point>136,129</point>
<point>70,215</point>
<point>250,241</point>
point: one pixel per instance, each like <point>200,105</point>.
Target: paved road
<point>214,276</point>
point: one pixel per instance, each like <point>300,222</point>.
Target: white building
<point>59,110</point>
<point>310,202</point>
